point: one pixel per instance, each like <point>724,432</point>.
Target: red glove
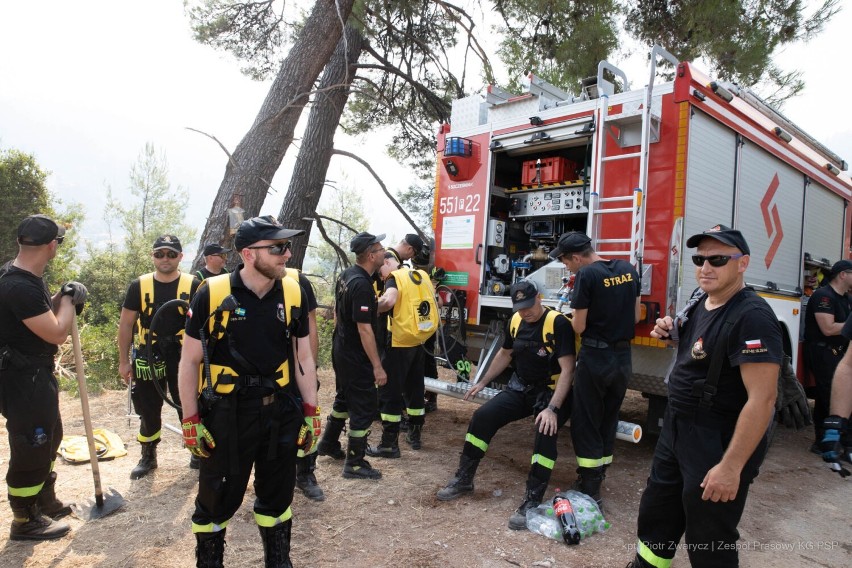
<point>197,438</point>
<point>309,433</point>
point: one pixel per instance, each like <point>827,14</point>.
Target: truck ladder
<point>601,205</point>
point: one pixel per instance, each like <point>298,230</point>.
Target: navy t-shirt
<point>608,289</point>
<point>533,364</point>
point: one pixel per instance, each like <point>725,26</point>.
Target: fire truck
<point>639,171</point>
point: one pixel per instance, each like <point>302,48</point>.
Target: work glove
<point>78,294</point>
<point>791,404</point>
<point>196,438</point>
<point>834,427</point>
<point>309,433</point>
<point>143,370</point>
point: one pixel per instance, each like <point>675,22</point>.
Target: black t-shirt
<point>355,303</point>
<point>755,338</point>
<point>847,329</point>
<point>203,274</point>
<point>533,364</point>
<point>255,330</point>
<point>608,289</point>
<point>825,300</point>
<point>170,322</point>
<point>23,295</point>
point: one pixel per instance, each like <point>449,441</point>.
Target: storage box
<point>552,170</point>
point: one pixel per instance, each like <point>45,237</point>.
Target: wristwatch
<point>553,408</point>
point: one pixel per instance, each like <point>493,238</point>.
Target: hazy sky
<point>84,85</point>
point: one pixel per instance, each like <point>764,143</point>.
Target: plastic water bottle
<point>542,520</point>
<point>565,513</point>
<point>39,437</point>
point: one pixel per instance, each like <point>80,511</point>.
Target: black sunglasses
<point>276,250</point>
<point>169,253</point>
<point>59,240</point>
<point>716,260</point>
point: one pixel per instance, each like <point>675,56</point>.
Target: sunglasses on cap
<point>716,260</point>
<point>165,253</point>
<point>276,250</point>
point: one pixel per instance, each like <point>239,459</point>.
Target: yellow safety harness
<point>415,314</point>
<point>146,313</point>
<point>548,336</point>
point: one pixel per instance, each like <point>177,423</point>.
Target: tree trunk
<point>316,147</point>
<point>259,154</point>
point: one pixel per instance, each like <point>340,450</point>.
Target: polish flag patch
<point>365,308</point>
<point>753,344</point>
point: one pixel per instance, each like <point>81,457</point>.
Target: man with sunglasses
<point>355,356</point>
<point>143,299</point>
<point>713,439</point>
<point>215,257</point>
<point>32,324</point>
<point>605,311</point>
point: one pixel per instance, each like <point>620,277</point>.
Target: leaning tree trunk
<point>259,154</point>
<point>316,146</point>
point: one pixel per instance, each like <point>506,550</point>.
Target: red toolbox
<point>548,170</point>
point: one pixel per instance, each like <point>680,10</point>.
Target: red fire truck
<point>638,170</point>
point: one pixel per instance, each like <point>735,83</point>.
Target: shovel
<point>112,501</point>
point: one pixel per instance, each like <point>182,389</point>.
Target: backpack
<point>415,315</point>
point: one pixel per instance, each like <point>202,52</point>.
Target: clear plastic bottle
<point>565,513</point>
<point>542,520</point>
<point>39,437</point>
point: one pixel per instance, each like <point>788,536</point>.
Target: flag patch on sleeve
<point>365,308</point>
<point>753,344</point>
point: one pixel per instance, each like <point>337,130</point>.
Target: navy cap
<point>214,249</point>
<point>723,234</point>
<point>170,242</point>
<point>524,293</point>
<point>414,241</point>
<point>573,241</point>
<point>262,229</point>
<point>37,230</point>
<point>838,267</point>
<point>363,241</point>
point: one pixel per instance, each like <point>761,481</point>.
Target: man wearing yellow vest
<point>144,297</point>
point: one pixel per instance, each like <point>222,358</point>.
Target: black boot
<point>329,444</point>
<point>589,481</point>
<point>306,481</point>
<point>47,501</point>
<point>276,545</point>
<point>389,446</point>
<point>413,436</point>
<point>210,549</point>
<point>30,524</point>
<point>532,499</point>
<point>356,467</point>
<point>462,482</point>
<point>147,462</point>
<point>430,402</point>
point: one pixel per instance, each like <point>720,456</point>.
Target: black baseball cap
<point>214,249</point>
<point>37,230</point>
<point>524,293</point>
<point>414,241</point>
<point>363,241</point>
<point>573,241</point>
<point>838,267</point>
<point>262,229</point>
<point>723,234</point>
<point>170,242</point>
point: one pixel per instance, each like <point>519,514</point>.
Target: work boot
<point>276,545</point>
<point>306,481</point>
<point>329,444</point>
<point>47,501</point>
<point>589,481</point>
<point>532,499</point>
<point>430,403</point>
<point>194,462</point>
<point>403,424</point>
<point>356,467</point>
<point>413,436</point>
<point>389,446</point>
<point>147,462</point>
<point>462,482</point>
<point>30,524</point>
<point>210,549</point>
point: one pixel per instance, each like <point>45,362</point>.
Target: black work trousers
<point>600,383</point>
<point>509,406</point>
<point>147,401</point>
<point>356,387</point>
<point>31,401</point>
<point>822,362</point>
<point>250,435</point>
<point>671,505</point>
<point>404,367</point>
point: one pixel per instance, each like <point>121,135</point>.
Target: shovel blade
<point>110,502</point>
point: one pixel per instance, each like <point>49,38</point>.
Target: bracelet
<point>553,408</point>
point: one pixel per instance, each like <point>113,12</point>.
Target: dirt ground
<point>797,513</point>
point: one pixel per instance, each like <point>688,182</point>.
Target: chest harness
<point>548,337</point>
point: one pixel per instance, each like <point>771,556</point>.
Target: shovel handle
<point>87,417</point>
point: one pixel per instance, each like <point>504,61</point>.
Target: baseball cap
<point>363,241</point>
<point>524,293</point>
<point>37,230</point>
<point>838,267</point>
<point>262,229</point>
<point>214,249</point>
<point>573,241</point>
<point>723,234</point>
<point>414,241</point>
<point>170,242</point>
